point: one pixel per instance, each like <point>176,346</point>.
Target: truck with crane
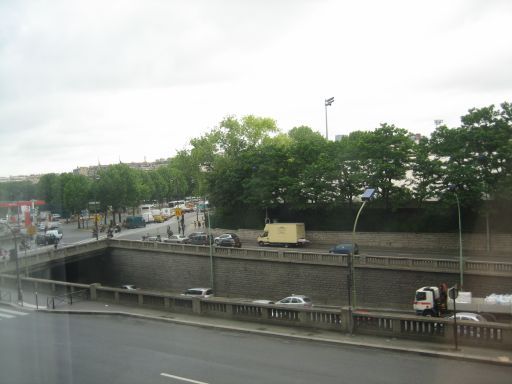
<point>433,301</point>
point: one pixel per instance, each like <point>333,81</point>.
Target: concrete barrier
<point>491,335</point>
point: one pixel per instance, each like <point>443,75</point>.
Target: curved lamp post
<point>18,280</point>
<point>328,103</point>
<point>366,196</point>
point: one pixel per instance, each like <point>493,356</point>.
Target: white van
<point>148,217</point>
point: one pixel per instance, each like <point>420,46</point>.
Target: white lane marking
<point>182,378</point>
<point>13,312</point>
<point>7,316</point>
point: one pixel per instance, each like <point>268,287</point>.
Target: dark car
<point>200,239</point>
<point>344,249</point>
<point>228,240</point>
<point>46,239</point>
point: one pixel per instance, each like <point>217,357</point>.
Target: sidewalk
<point>472,354</point>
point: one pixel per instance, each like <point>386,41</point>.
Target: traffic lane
<point>55,348</point>
<point>71,235</point>
<point>386,252</point>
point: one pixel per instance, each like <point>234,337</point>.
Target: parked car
<point>57,233</point>
<point>228,240</point>
<point>296,300</point>
<point>158,218</point>
<point>344,249</point>
<point>200,239</point>
<point>147,237</point>
<point>196,234</point>
<point>47,238</point>
<point>198,292</point>
<point>224,236</point>
<point>180,239</point>
<point>469,316</point>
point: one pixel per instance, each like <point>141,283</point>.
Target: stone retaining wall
<point>499,243</point>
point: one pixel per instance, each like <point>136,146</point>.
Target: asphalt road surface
<point>73,235</point>
<point>50,348</point>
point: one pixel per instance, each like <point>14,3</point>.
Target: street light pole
<point>452,188</point>
<point>461,264</point>
<point>212,281</point>
<point>328,102</point>
<point>366,196</point>
<point>96,218</point>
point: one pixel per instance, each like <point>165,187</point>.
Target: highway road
<point>59,348</point>
<point>73,235</point>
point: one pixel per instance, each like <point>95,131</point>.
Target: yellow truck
<point>284,235</point>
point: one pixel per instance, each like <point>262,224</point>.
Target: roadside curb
<point>361,344</point>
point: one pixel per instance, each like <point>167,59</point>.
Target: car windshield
<point>360,153</point>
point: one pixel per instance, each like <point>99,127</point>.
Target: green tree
<point>119,188</point>
<point>427,172</point>
<point>76,194</point>
<point>387,151</point>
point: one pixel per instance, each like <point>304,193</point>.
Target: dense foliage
<point>249,166</point>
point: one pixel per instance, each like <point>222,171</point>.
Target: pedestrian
<point>199,223</point>
<point>195,224</point>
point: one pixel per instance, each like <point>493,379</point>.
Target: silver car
<point>180,239</point>
<point>296,300</point>
<point>469,316</point>
<point>198,292</point>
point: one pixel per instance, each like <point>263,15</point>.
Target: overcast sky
<point>83,82</point>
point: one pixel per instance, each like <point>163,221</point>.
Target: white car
<point>54,232</point>
<point>296,300</point>
<point>129,287</point>
<point>468,316</point>
<point>198,292</point>
<point>180,239</point>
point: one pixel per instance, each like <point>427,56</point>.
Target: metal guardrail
<point>67,298</point>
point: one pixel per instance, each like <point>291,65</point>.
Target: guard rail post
<point>93,292</point>
<point>345,314</point>
<point>196,306</point>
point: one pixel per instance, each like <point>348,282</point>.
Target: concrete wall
<point>268,279</point>
<point>494,335</point>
